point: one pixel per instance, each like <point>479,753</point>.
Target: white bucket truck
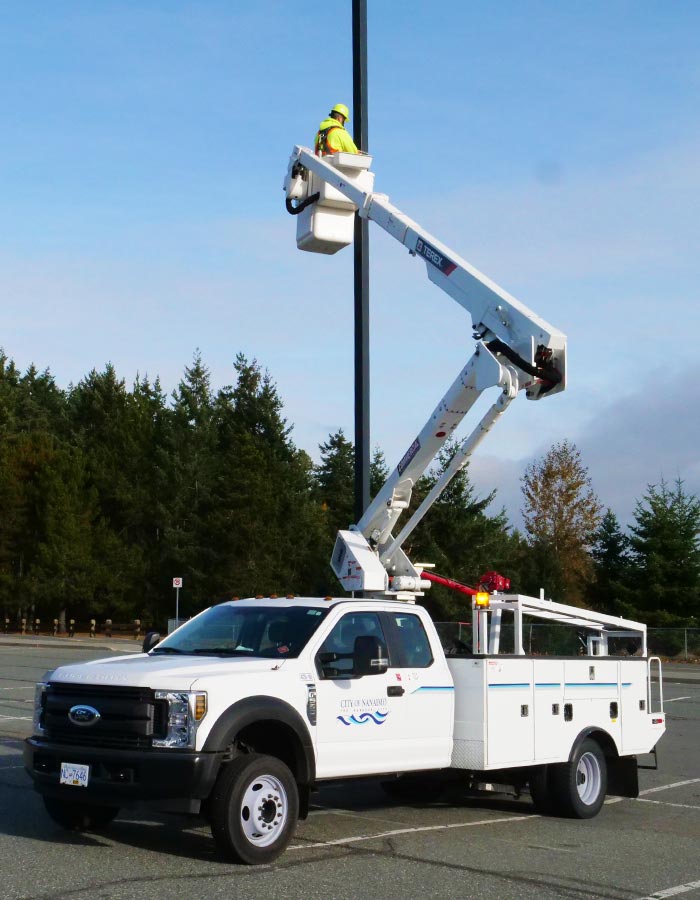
<point>245,709</point>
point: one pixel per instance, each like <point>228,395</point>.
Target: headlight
<point>185,710</point>
<point>39,705</point>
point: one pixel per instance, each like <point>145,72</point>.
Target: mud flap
<point>623,778</point>
<point>304,800</point>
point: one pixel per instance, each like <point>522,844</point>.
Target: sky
<point>556,146</point>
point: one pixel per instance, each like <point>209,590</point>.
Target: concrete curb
<point>125,646</point>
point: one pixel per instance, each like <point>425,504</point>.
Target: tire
<point>579,786</point>
<point>79,816</point>
<point>253,809</point>
<point>541,790</point>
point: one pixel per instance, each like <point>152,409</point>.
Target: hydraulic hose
<point>546,372</point>
<point>295,210</point>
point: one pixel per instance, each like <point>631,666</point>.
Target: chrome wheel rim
<point>264,810</point>
<point>588,778</point>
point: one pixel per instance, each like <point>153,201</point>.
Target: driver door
<point>364,725</point>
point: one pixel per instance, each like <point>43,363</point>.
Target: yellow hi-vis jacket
<point>333,137</point>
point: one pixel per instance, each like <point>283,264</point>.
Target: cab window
<point>336,657</point>
<point>413,642</point>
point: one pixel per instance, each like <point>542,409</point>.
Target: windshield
<point>272,632</point>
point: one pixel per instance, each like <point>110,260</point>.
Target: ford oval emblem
<point>83,715</point>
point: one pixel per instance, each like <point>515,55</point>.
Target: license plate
<point>75,774</point>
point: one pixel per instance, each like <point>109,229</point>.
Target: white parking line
<point>30,687</point>
<point>674,699</point>
<point>317,810</point>
<point>22,718</point>
<point>384,834</point>
<point>673,891</point>
<point>667,803</point>
<point>667,787</point>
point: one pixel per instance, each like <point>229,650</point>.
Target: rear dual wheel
<point>541,790</point>
<point>575,788</point>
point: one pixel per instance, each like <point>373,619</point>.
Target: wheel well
<point>274,739</point>
<point>622,775</point>
<point>604,741</point>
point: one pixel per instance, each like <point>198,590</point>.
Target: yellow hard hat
<point>343,110</point>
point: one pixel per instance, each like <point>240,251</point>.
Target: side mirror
<point>369,656</point>
<point>152,638</point>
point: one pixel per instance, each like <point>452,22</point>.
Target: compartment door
<point>510,712</point>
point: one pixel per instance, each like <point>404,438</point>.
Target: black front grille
<point>129,717</point>
<point>113,741</point>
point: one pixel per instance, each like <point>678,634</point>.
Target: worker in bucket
<point>332,136</point>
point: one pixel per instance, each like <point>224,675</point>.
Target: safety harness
<point>322,148</point>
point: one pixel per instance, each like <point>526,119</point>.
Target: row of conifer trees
<point>107,492</point>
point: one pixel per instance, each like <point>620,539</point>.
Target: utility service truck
<point>244,710</point>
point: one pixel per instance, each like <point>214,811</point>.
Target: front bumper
<point>122,777</point>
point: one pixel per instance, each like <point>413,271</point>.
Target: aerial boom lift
<point>515,350</point>
<point>288,695</point>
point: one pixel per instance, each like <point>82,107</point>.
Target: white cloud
<point>649,435</point>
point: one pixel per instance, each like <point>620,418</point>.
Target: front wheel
<point>75,816</point>
<point>579,786</point>
<point>253,809</point>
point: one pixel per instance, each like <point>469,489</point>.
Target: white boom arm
<point>515,350</point>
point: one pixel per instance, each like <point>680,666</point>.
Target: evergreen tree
<point>191,453</point>
<point>561,514</point>
<point>457,536</point>
<point>64,574</point>
<point>101,419</point>
<point>611,560</point>
<point>9,382</point>
<point>98,408</point>
<point>378,472</point>
<point>335,482</point>
<point>40,405</point>
<point>265,527</point>
<point>666,554</point>
<point>24,458</point>
<point>32,423</point>
<point>153,477</point>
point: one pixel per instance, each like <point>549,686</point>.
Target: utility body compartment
<point>523,711</point>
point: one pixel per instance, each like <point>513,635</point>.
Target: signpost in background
<point>177,584</point>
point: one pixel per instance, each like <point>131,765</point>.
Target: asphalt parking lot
<point>356,843</point>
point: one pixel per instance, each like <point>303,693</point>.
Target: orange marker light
<point>200,707</point>
<point>481,599</point>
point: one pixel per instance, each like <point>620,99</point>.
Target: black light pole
<point>361,279</point>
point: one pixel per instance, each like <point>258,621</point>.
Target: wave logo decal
<point>363,718</point>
